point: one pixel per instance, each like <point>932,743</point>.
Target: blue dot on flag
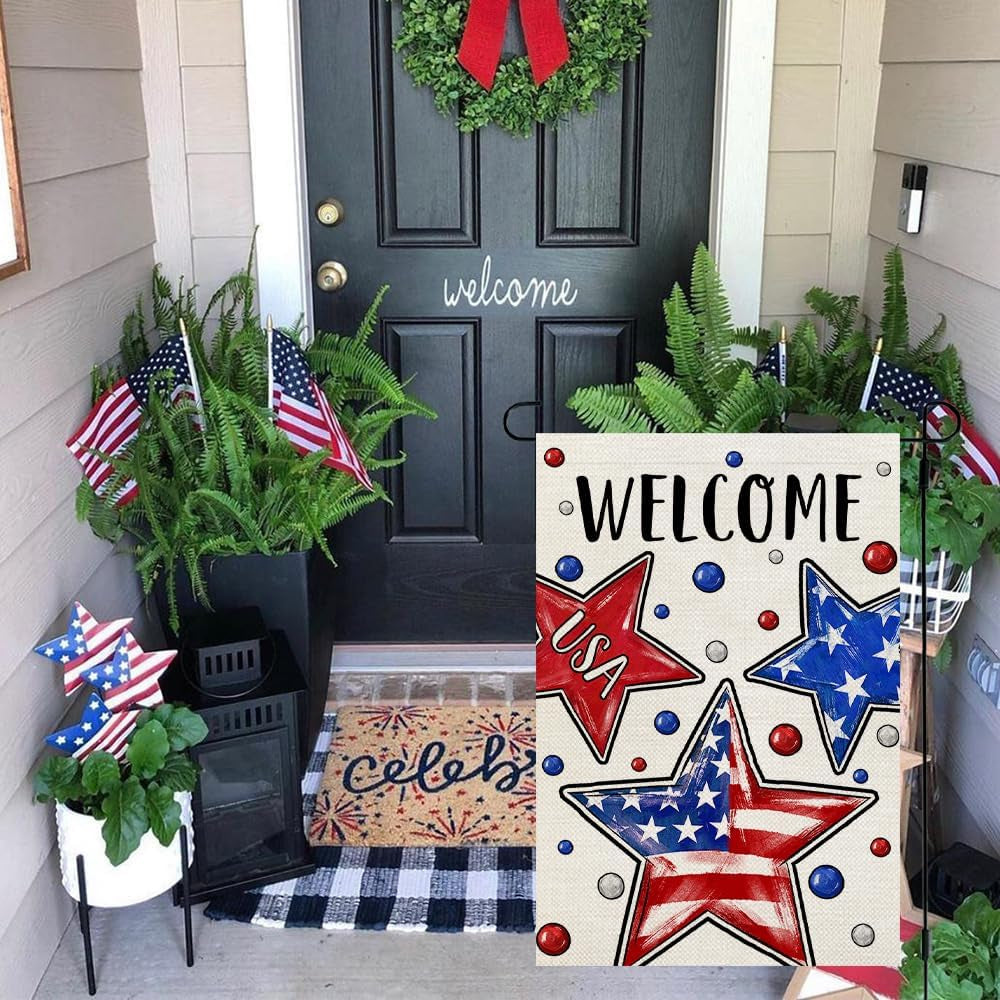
<point>552,765</point>
<point>826,882</point>
<point>708,577</point>
<point>569,568</point>
<point>666,722</point>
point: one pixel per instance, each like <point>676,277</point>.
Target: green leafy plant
<point>708,388</point>
<point>602,34</point>
<point>135,796</point>
<point>235,485</point>
<point>965,956</point>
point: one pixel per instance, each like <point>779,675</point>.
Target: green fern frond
<point>895,318</point>
<point>610,409</point>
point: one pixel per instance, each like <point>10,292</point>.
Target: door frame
<point>744,71</point>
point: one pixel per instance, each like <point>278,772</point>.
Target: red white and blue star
<point>98,729</point>
<point>716,843</point>
<point>846,660</point>
<point>86,644</point>
<point>133,675</point>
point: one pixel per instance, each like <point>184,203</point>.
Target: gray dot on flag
<point>862,935</point>
<point>883,468</point>
<point>565,507</point>
<point>716,651</point>
<point>610,885</point>
<point>776,555</point>
<point>888,736</point>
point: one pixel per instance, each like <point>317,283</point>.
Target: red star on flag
<point>592,652</point>
<point>716,843</point>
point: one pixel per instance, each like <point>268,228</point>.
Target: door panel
<point>602,213</point>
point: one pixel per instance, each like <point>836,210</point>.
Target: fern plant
<point>707,389</point>
<point>231,483</point>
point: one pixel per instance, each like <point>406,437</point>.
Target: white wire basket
<point>948,590</point>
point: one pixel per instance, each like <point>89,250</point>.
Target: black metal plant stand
<point>83,908</point>
<point>922,441</point>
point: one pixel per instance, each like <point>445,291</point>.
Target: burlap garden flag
<point>717,699</point>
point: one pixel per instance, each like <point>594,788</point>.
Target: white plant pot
<point>148,871</point>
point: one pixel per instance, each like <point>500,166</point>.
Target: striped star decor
<point>716,842</point>
<point>133,675</point>
<point>86,644</point>
<point>846,660</point>
<point>98,729</point>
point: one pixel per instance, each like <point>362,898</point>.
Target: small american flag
<point>976,459</point>
<point>85,645</point>
<point>302,411</point>
<point>888,380</point>
<point>98,729</point>
<point>113,422</point>
<point>133,675</point>
<point>770,364</point>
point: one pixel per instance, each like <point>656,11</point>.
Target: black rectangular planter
<point>294,593</point>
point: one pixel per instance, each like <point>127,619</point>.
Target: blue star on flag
<point>98,729</point>
<point>847,660</point>
<point>716,842</point>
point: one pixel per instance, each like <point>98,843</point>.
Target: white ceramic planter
<point>148,871</point>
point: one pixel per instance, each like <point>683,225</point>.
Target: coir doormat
<point>418,776</point>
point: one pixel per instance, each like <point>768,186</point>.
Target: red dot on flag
<point>880,557</point>
<point>554,458</point>
<point>552,939</point>
<point>880,847</point>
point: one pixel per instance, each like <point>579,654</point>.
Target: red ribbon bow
<point>482,41</point>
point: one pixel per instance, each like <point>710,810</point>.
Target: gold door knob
<point>331,276</point>
<point>330,212</point>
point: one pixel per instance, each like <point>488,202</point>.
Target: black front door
<point>605,212</point>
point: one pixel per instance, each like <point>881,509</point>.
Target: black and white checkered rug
<point>392,888</point>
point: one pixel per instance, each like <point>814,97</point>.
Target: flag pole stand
<point>922,441</point>
<point>84,908</point>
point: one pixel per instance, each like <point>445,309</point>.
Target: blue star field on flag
<point>847,660</point>
<point>689,814</point>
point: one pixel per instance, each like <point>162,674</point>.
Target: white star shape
<point>706,797</point>
<point>631,801</point>
<point>712,739</point>
<point>821,591</point>
<point>890,653</point>
<point>78,741</point>
<point>721,765</point>
<point>109,669</point>
<point>721,826</point>
<point>64,643</point>
<point>835,637</point>
<point>670,797</point>
<point>888,611</point>
<point>650,831</point>
<point>60,740</point>
<point>834,728</point>
<point>92,675</point>
<point>107,685</point>
<point>853,687</point>
<point>49,651</point>
<point>687,830</point>
<point>105,716</point>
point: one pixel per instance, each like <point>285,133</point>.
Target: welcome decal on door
<point>718,669</point>
<point>487,290</point>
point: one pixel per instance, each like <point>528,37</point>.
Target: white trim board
<point>433,658</point>
<point>277,150</point>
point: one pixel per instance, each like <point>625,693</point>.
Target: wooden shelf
<point>910,641</point>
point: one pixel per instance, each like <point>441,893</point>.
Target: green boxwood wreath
<point>602,34</point>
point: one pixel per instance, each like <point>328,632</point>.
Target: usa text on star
<point>98,729</point>
<point>133,675</point>
<point>591,650</point>
<point>716,843</point>
<point>86,644</point>
<point>846,660</point>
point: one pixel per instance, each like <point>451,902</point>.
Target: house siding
<point>937,105</point>
<point>75,75</point>
<point>826,73</point>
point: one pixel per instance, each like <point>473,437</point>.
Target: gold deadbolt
<point>331,276</point>
<point>330,212</point>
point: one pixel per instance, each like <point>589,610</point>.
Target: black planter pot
<point>294,594</point>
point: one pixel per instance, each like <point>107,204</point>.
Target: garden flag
<point>718,674</point>
<point>133,675</point>
<point>84,646</point>
<point>98,729</point>
<point>302,411</point>
<point>114,419</point>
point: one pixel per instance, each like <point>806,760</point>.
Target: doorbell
<point>911,197</point>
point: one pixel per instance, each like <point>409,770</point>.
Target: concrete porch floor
<point>139,951</point>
